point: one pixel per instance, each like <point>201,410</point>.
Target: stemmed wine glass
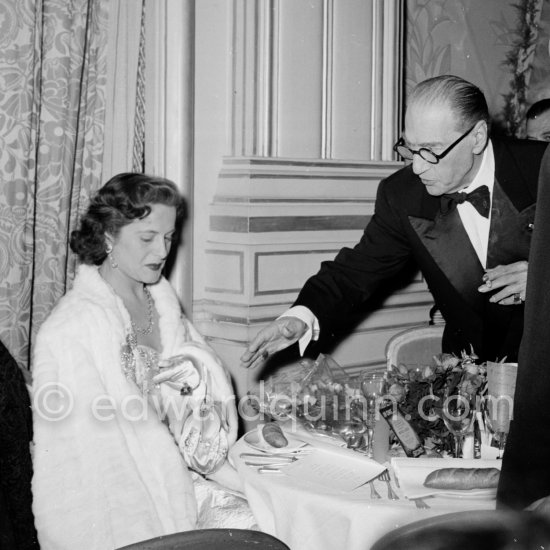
<point>373,386</point>
<point>458,413</point>
<point>497,412</point>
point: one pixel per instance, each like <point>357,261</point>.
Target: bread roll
<point>272,435</point>
<point>463,478</point>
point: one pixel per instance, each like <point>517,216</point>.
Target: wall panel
<point>300,78</point>
<point>313,96</point>
<point>351,79</point>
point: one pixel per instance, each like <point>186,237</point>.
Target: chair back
<point>471,530</point>
<point>17,531</point>
<point>211,539</point>
<point>414,346</point>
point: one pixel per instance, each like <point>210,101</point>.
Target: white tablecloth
<point>313,516</point>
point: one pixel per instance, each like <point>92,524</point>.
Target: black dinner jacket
<point>408,223</point>
<point>525,475</point>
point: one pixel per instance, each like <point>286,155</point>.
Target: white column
<point>170,39</point>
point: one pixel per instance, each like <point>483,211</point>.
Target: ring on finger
<point>517,298</point>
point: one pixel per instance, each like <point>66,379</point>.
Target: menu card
<point>339,471</point>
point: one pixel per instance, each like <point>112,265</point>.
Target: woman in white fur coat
<point>108,471</point>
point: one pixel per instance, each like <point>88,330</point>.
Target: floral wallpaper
<point>539,84</point>
<point>468,38</point>
<point>52,107</point>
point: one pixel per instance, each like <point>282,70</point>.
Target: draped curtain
<point>52,110</point>
<point>124,117</point>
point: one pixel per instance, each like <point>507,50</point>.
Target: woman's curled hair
<point>123,199</point>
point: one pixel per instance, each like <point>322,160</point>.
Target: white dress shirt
<point>476,226</point>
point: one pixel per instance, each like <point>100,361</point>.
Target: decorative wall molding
<point>328,79</point>
<point>283,217</point>
<point>315,79</point>
<point>228,277</point>
<point>314,101</point>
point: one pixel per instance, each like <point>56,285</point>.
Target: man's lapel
<point>510,232</point>
<point>449,245</point>
<point>512,218</point>
<point>511,175</point>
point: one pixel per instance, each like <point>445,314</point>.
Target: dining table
<point>318,496</point>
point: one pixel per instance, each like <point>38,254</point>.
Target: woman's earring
<point>109,250</point>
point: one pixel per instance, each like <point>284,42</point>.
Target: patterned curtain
<point>52,107</point>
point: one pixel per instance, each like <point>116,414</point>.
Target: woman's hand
<point>510,281</point>
<point>280,334</point>
<point>179,372</point>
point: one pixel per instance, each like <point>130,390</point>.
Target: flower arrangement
<point>519,60</point>
<point>421,391</point>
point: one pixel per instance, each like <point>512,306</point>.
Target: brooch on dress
<point>127,357</point>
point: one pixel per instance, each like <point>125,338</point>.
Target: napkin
<point>411,473</point>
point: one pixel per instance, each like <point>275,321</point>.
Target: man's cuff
<point>305,315</point>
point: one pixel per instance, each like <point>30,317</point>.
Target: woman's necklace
<point>149,328</point>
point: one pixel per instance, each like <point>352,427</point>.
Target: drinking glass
<point>373,386</point>
<point>458,413</point>
<point>497,412</point>
<point>498,404</point>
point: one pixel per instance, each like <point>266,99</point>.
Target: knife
<point>477,438</point>
<point>266,457</point>
<point>266,464</point>
<point>269,470</point>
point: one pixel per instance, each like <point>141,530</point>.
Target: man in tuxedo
<point>462,208</point>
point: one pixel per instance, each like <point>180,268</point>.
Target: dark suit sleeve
<point>344,284</point>
<point>525,475</point>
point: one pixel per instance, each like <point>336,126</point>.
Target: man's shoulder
<point>403,185</point>
<point>507,149</point>
<point>517,167</point>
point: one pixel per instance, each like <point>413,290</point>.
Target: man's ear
<point>481,135</point>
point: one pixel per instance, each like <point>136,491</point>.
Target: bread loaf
<point>272,435</point>
<point>463,478</point>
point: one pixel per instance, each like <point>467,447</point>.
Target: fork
<point>385,476</point>
<point>420,503</point>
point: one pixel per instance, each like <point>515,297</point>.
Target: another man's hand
<point>278,335</point>
<point>510,281</point>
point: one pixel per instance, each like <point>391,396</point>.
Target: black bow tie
<point>480,199</point>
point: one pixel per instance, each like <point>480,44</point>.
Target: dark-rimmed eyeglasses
<point>427,154</point>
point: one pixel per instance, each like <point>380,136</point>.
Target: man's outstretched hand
<point>280,334</point>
